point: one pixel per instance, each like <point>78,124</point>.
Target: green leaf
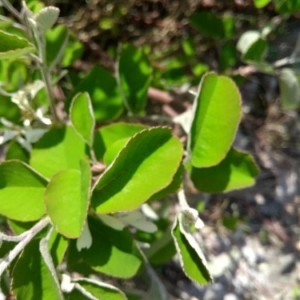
<point>103,89</point>
<point>100,290</point>
<point>32,280</point>
<point>261,3</point>
<point>55,39</point>
<point>172,187</point>
<point>21,191</point>
<point>191,257</point>
<point>13,46</point>
<point>73,51</point>
<point>16,151</point>
<point>213,26</point>
<point>107,135</point>
<point>289,89</point>
<point>62,46</point>
<point>228,55</point>
<point>113,252</point>
<point>58,149</point>
<point>162,249</point>
<point>252,46</point>
<point>135,76</point>
<point>113,150</point>
<point>217,110</point>
<point>58,245</point>
<point>82,117</point>
<point>238,170</point>
<point>125,185</point>
<point>9,110</point>
<point>67,199</point>
<point>287,6</point>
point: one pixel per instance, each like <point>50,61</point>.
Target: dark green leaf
<point>58,246</point>
<point>9,110</point>
<point>238,170</point>
<point>135,75</point>
<point>209,24</point>
<point>191,257</point>
<point>287,6</point>
<point>16,151</point>
<point>103,90</point>
<point>252,46</point>
<point>113,252</point>
<point>32,280</point>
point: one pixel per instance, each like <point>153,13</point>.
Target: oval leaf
<point>104,92</point>
<point>67,199</point>
<point>32,279</point>
<point>113,252</point>
<point>191,257</point>
<point>238,170</point>
<point>217,115</point>
<point>82,117</point>
<point>146,165</point>
<point>58,149</point>
<point>46,18</point>
<point>13,46</point>
<point>135,76</point>
<point>100,290</point>
<point>107,135</point>
<point>21,192</point>
<point>289,89</point>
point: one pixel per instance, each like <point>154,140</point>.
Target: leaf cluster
<point>78,187</point>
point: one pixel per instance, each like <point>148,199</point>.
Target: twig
<point>11,9</point>
<point>25,238</point>
<point>159,95</point>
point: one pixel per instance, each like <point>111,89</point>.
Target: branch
<point>23,239</point>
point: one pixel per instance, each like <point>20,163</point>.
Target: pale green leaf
<point>125,184</point>
<point>67,199</point>
<point>46,18</point>
<point>58,149</point>
<point>217,110</point>
<point>82,117</point>
<point>289,89</point>
<point>21,191</point>
<point>191,257</point>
